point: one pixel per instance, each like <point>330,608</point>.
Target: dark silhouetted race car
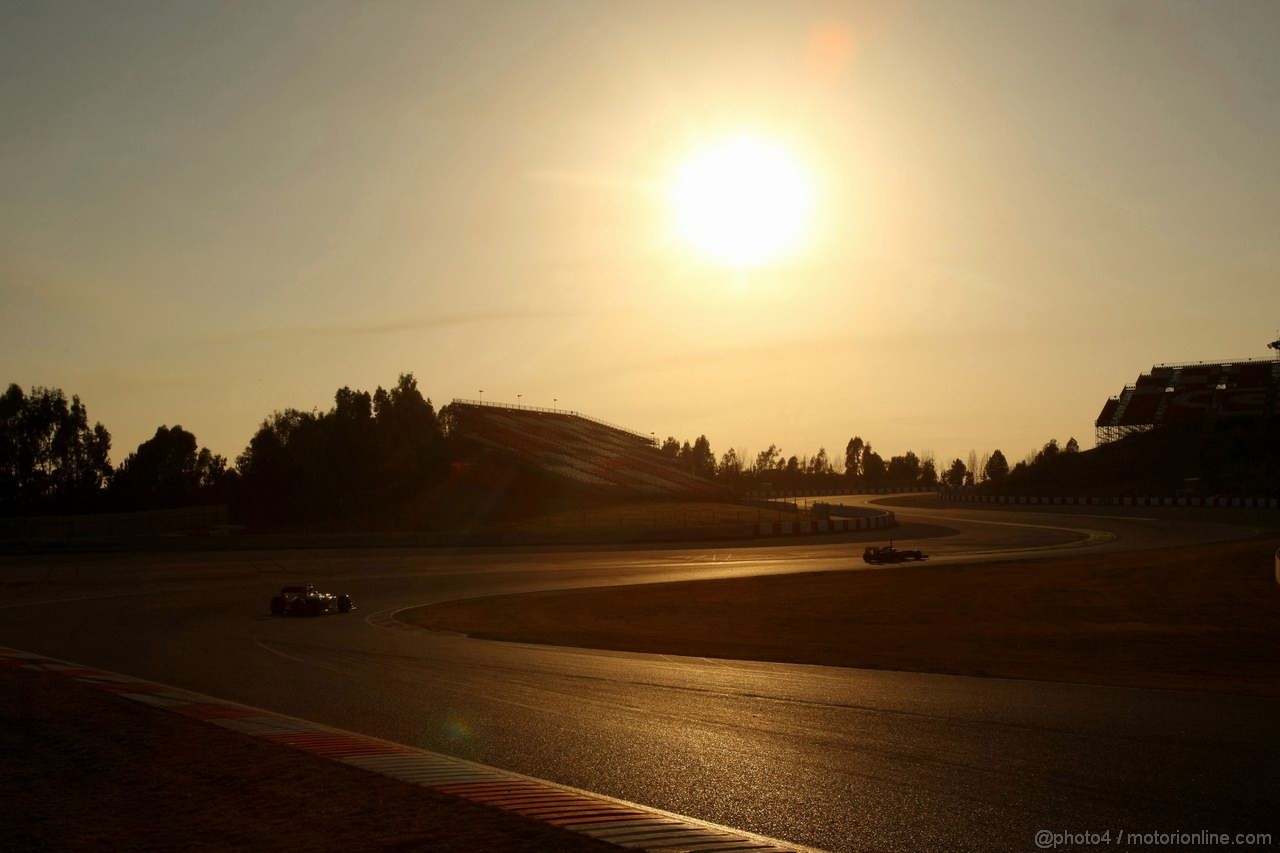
<point>306,600</point>
<point>890,554</point>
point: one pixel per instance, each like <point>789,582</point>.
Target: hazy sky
<point>212,210</point>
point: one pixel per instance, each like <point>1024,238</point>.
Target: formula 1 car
<point>890,554</point>
<point>306,600</point>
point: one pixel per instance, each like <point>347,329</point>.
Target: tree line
<point>860,467</point>
<point>369,454</point>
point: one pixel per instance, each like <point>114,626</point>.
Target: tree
<point>997,467</point>
<point>671,448</point>
<point>354,444</point>
<point>972,465</point>
<point>853,458</point>
<point>410,448</point>
<point>929,473</point>
<point>278,469</point>
<point>703,461</point>
<point>730,467</point>
<point>168,470</point>
<point>1073,446</point>
<point>368,455</point>
<point>904,470</point>
<point>685,457</point>
<point>956,473</point>
<point>873,467</point>
<point>766,459</point>
<point>1048,453</point>
<point>819,464</point>
<point>50,458</point>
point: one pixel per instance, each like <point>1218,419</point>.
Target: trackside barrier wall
<point>781,506</point>
<point>156,522</point>
<point>818,493</point>
<point>834,525</point>
<point>1037,500</point>
<point>826,510</point>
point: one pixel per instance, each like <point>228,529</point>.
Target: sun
<point>742,202</point>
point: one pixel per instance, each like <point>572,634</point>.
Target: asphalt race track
<point>834,758</point>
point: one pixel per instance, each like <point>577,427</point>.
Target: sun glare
<point>742,202</point>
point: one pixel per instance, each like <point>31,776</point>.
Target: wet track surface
<point>835,758</point>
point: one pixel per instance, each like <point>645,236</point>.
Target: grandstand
<point>1194,396</point>
<point>589,453</point>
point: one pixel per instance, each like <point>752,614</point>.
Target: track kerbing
<point>618,822</point>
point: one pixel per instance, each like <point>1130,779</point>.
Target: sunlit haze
<point>937,226</point>
<point>742,201</point>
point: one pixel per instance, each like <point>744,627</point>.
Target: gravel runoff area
<point>85,770</point>
<point>1200,618</point>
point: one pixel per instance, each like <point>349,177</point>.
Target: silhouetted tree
<point>730,467</point>
<point>956,473</point>
<point>997,467</point>
<point>873,467</point>
<point>369,454</point>
<point>767,459</point>
<point>853,458</point>
<point>169,470</point>
<point>1047,453</point>
<point>50,458</point>
<point>904,470</point>
<point>671,448</point>
<point>702,462</point>
<point>277,469</point>
<point>410,444</point>
<point>1073,446</point>
<point>929,473</point>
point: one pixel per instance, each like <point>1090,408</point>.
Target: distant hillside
<point>1244,462</point>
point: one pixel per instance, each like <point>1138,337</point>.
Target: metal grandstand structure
<point>646,438</point>
<point>587,452</point>
<point>1195,394</point>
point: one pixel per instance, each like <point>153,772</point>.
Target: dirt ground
<point>1204,618</point>
<point>143,779</point>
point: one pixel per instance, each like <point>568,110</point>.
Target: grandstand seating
<point>1142,407</point>
<point>1192,394</point>
<point>1188,406</point>
<point>576,448</point>
<point>1254,375</point>
<point>1243,401</point>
